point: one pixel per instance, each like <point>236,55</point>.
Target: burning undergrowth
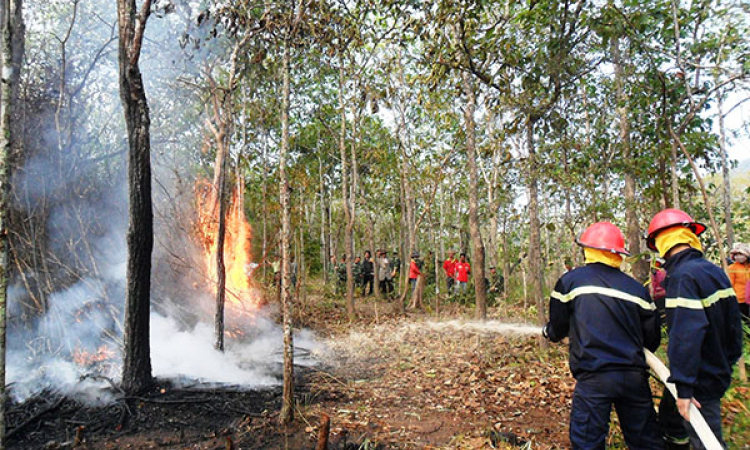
<point>74,346</point>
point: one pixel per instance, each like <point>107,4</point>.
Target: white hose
<point>696,419</point>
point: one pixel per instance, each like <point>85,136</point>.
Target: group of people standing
<point>363,271</point>
<point>610,318</point>
<point>457,273</point>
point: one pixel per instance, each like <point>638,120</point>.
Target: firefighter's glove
<point>545,331</point>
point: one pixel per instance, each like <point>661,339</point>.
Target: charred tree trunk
<point>477,248</point>
<point>640,268</point>
<point>221,273</point>
<point>287,405</point>
<point>136,369</point>
<point>12,31</point>
<point>221,127</point>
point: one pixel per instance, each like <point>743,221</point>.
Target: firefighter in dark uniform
<point>609,318</point>
<point>703,319</point>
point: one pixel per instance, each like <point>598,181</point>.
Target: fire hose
<point>696,419</point>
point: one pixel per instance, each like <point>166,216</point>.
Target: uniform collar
<point>675,260</point>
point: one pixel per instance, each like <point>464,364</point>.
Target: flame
<point>85,358</point>
<point>237,254</point>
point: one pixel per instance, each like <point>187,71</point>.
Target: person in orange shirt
<point>739,274</point>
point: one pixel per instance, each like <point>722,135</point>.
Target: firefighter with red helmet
<point>609,318</point>
<point>703,320</point>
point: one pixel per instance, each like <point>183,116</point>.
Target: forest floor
<point>419,381</point>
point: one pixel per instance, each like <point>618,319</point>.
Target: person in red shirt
<point>463,269</point>
<point>449,267</point>
<point>414,271</point>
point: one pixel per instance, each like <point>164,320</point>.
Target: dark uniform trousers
<point>629,392</point>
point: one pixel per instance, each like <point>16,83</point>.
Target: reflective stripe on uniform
<point>700,303</point>
<point>609,292</point>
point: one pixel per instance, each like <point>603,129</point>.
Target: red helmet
<point>603,236</point>
<point>670,218</point>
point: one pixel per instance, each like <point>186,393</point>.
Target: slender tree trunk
<point>287,405</point>
<point>725,170</point>
<point>371,243</point>
<point>345,195</point>
<point>353,202</point>
<point>640,268</point>
<point>675,179</point>
<point>263,191</point>
<point>136,369</point>
<point>587,143</point>
<point>221,275</point>
<point>302,269</point>
<point>665,200</point>
<point>492,189</point>
<point>506,263</point>
<point>535,257</point>
<point>323,241</point>
<point>408,196</point>
<point>706,199</point>
<point>477,248</point>
<point>12,31</point>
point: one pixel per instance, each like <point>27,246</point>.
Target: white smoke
<point>186,356</point>
<point>84,314</point>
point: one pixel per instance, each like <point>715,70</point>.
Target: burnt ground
<point>166,417</point>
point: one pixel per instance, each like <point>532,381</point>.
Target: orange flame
<point>237,254</point>
<point>85,358</point>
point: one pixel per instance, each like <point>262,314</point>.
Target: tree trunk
<point>477,248</point>
<point>535,267</point>
<point>725,171</point>
<point>373,257</point>
<point>494,200</point>
<point>325,251</point>
<point>665,200</point>
<point>587,144</point>
<point>136,369</point>
<point>410,239</point>
<point>263,190</point>
<point>416,296</point>
<point>345,195</point>
<point>506,262</point>
<point>675,180</point>
<point>12,31</point>
<point>640,268</point>
<point>353,203</point>
<point>287,404</point>
<point>221,276</point>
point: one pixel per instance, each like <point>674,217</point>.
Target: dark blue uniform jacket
<point>705,331</point>
<point>609,316</point>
